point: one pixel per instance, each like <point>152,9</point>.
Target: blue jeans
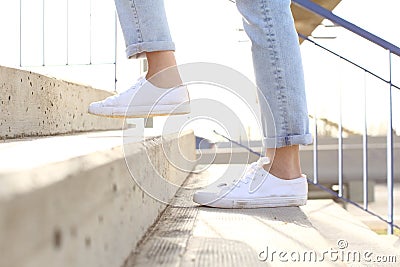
<point>276,58</point>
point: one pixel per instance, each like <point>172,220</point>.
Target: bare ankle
<point>162,71</point>
<point>285,162</point>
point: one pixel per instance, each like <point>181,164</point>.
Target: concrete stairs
<point>79,201</point>
<point>321,233</point>
<point>71,195</point>
<point>35,105</point>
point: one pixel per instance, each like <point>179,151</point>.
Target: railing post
<point>315,149</point>
<point>365,148</point>
<point>340,144</point>
<point>20,33</point>
<point>67,32</point>
<point>43,35</point>
<point>90,32</point>
<point>390,153</point>
<point>115,49</point>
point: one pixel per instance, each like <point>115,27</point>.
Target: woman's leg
<point>145,26</point>
<point>146,32</point>
<point>279,76</point>
<point>280,79</point>
<point>162,69</point>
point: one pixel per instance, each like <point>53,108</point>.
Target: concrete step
<point>86,199</point>
<point>189,235</point>
<point>35,105</point>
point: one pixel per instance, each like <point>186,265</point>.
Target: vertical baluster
<point>90,32</point>
<point>115,49</point>
<point>365,147</point>
<point>43,33</point>
<point>20,33</point>
<point>390,153</point>
<point>315,149</point>
<point>340,146</point>
<point>67,31</point>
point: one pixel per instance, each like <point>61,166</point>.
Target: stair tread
<point>188,235</point>
<point>30,163</point>
<point>87,210</point>
<point>27,153</point>
<point>33,104</point>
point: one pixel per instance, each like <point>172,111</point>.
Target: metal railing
<point>47,28</point>
<point>391,50</point>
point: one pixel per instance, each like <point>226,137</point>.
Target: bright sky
<point>205,31</point>
<point>327,77</point>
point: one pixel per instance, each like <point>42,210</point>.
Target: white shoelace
<point>111,100</point>
<point>252,171</point>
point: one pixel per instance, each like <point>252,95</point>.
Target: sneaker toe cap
<point>203,197</point>
<point>95,106</point>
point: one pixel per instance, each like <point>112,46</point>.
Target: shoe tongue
<point>141,80</point>
<point>110,100</point>
<point>263,161</point>
<point>258,179</point>
<point>126,95</point>
<point>138,84</point>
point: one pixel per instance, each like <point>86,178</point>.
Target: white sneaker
<point>269,191</point>
<point>144,100</point>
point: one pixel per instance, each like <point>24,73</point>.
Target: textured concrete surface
<point>32,104</point>
<point>78,200</point>
<point>320,233</point>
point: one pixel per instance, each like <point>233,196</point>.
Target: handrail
<point>349,61</point>
<point>392,49</point>
<point>348,25</point>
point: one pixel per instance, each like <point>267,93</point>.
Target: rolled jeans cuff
<point>277,142</point>
<point>140,49</point>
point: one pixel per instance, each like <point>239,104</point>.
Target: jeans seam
<point>278,75</point>
<point>137,22</point>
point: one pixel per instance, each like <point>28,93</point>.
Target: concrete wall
<point>88,210</point>
<point>32,104</point>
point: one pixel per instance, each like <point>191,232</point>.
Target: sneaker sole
<point>142,111</point>
<point>270,202</point>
